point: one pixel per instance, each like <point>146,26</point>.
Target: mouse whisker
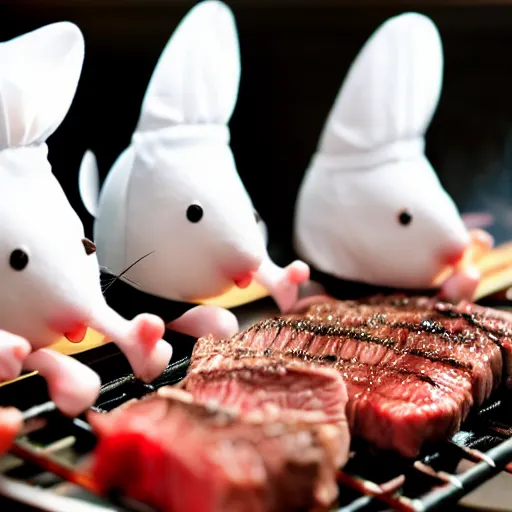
<point>137,285</point>
<point>115,278</point>
<point>106,281</point>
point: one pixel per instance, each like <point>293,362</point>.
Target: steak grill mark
<point>337,362</point>
<point>476,321</point>
<point>352,333</point>
<point>475,318</point>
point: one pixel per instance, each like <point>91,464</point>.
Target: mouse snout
<point>242,268</point>
<point>453,254</point>
<point>72,325</point>
<point>243,280</point>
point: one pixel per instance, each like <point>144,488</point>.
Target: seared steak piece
<point>413,367</point>
<point>179,456</point>
<point>497,324</point>
<point>294,390</point>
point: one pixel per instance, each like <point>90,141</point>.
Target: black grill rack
<point>371,480</point>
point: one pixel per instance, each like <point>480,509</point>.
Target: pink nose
<point>242,269</point>
<point>71,325</point>
<point>453,255</point>
<point>243,280</point>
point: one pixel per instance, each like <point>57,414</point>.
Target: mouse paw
<point>147,330</point>
<point>297,272</point>
<point>482,239</point>
<point>13,351</point>
<point>285,295</point>
<point>286,289</point>
<point>283,283</point>
<point>224,324</point>
<point>206,320</point>
<point>462,285</point>
<point>149,354</point>
<point>73,386</point>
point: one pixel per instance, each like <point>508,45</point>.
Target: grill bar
<point>57,468</point>
<point>470,479</point>
<point>371,489</point>
<point>75,477</point>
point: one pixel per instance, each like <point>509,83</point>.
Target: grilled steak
<point>413,366</point>
<point>294,391</point>
<point>180,456</point>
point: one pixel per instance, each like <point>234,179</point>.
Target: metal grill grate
<point>371,481</point>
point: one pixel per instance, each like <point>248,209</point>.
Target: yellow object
<point>496,269</point>
<point>92,339</point>
<point>477,251</point>
<point>238,297</point>
<point>494,283</point>
<point>498,258</point>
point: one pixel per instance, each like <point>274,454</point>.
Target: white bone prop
<point>175,192</point>
<point>49,272</point>
<point>371,208</point>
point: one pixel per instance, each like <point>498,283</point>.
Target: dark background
<point>294,57</point>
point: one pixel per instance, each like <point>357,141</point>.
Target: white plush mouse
<point>49,273</point>
<point>174,224</point>
<point>371,209</point>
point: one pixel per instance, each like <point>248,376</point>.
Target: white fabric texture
<point>180,156</point>
<point>50,277</point>
<point>39,73</point>
<point>370,166</point>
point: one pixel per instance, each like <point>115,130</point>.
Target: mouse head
<point>174,196</point>
<point>45,268</point>
<point>49,271</point>
<point>371,207</point>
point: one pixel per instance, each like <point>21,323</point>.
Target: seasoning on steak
<point>413,367</point>
<point>177,455</point>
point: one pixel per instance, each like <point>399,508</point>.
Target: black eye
<point>404,217</point>
<point>89,246</point>
<point>18,259</point>
<point>257,217</point>
<point>194,213</point>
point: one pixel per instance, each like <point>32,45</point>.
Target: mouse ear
<point>88,182</point>
<point>389,95</point>
<point>39,73</point>
<point>197,76</point>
